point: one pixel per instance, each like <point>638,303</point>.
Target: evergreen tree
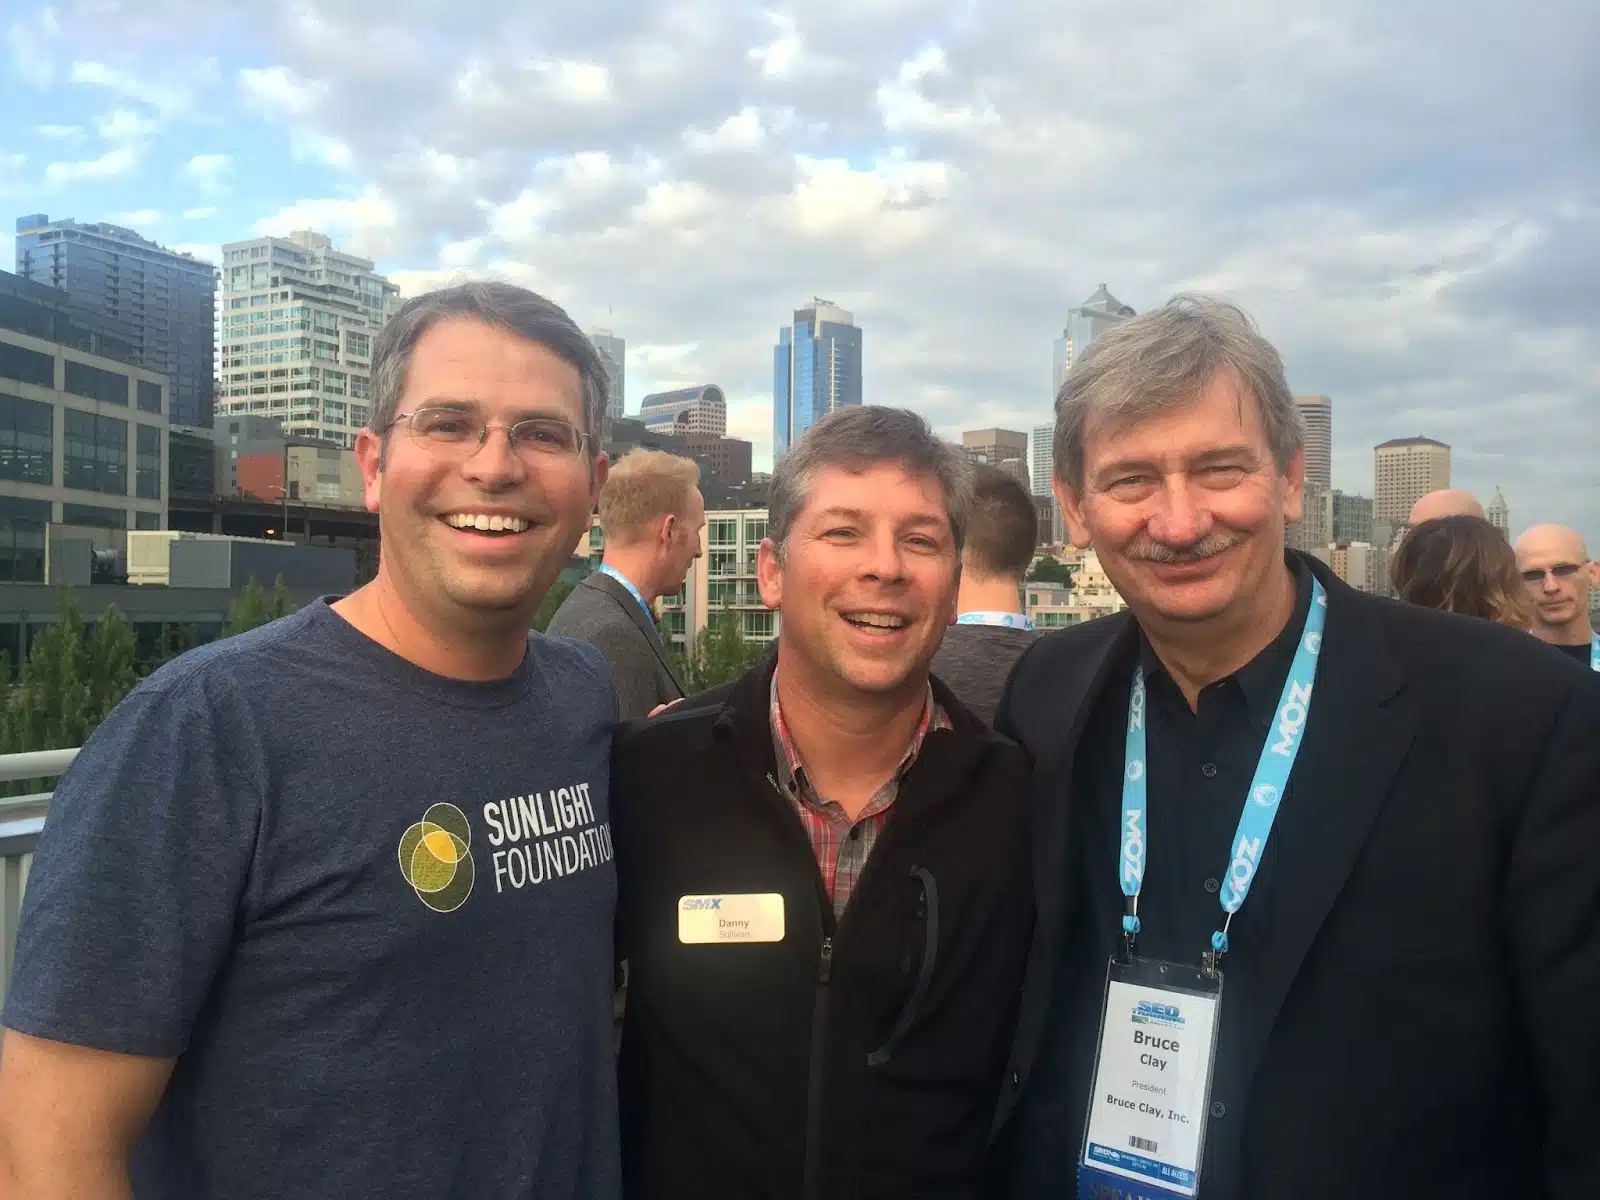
<point>721,653</point>
<point>281,605</point>
<point>247,610</point>
<point>553,599</point>
<point>1051,570</point>
<point>111,666</point>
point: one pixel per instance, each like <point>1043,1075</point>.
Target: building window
<point>755,529</point>
<point>93,514</point>
<point>149,395</point>
<point>147,463</point>
<point>146,520</point>
<point>108,387</point>
<point>27,366</point>
<point>27,440</point>
<point>96,458</point>
<point>758,624</point>
<point>722,563</point>
<point>722,533</point>
<point>22,528</point>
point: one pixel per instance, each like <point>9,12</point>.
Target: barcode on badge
<point>1145,1144</point>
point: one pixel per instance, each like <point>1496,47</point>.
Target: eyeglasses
<point>461,434</point>
<point>1560,571</point>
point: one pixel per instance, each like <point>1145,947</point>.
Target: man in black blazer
<point>1410,996</point>
<point>652,514</point>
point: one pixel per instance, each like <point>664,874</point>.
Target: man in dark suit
<point>652,514</point>
<point>1374,829</point>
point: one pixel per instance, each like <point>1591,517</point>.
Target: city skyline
<point>767,158</point>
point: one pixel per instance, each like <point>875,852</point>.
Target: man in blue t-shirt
<point>325,910</point>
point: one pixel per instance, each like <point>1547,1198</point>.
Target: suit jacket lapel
<point>1044,722</point>
<point>1361,725</point>
<point>641,620</point>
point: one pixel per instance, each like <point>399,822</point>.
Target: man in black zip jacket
<point>827,907</point>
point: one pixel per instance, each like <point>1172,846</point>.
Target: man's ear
<point>1072,512</point>
<point>769,574</point>
<point>369,457</point>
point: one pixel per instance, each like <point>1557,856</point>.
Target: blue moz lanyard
<point>1261,804</point>
<point>1594,652</point>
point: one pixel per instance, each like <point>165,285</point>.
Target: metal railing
<point>21,819</point>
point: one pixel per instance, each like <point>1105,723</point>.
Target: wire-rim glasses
<point>460,433</point>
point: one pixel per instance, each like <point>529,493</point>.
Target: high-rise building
<point>702,409</point>
<point>995,446</point>
<point>1407,469</point>
<point>816,368</point>
<point>1086,322</point>
<point>1314,530</point>
<point>722,580</point>
<point>83,436</point>
<point>614,351</point>
<point>1498,514</point>
<point>1352,518</point>
<point>295,333</point>
<point>1357,563</point>
<point>168,299</point>
<point>1044,458</point>
<point>1317,414</point>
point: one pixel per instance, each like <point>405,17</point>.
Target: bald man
<point>1559,574</point>
<point>1448,502</point>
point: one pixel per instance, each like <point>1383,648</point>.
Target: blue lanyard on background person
<point>607,569</point>
<point>1007,620</point>
<point>1261,803</point>
<point>1594,651</point>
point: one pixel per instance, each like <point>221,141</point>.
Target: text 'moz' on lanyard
<point>1260,804</point>
<point>1151,1096</point>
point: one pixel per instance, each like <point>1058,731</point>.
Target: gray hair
<point>1164,359</point>
<point>505,306</point>
<point>855,438</point>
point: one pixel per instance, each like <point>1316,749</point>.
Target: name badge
<point>1152,1082</point>
<point>757,917</point>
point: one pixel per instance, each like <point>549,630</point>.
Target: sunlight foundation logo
<point>436,859</point>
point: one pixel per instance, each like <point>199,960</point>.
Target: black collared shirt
<point>1200,763</point>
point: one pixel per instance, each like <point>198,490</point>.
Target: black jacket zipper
<point>812,1178</point>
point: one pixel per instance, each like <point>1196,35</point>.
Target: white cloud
<point>365,223</point>
<point>576,82</point>
<point>141,216</point>
<point>168,99</point>
<point>60,133</point>
<point>307,146</point>
<point>281,90</point>
<point>198,214</point>
<point>211,172</point>
<point>32,47</point>
<point>905,109</point>
<point>781,57</point>
<point>742,131</point>
<point>125,125</point>
<point>108,166</point>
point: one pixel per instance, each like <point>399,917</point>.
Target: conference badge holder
<point>1146,1129</point>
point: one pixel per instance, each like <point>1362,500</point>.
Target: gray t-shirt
<point>368,909</point>
<point>974,661</point>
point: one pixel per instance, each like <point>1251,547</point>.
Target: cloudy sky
<point>1405,195</point>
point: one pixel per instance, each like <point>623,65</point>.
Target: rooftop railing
<point>21,819</point>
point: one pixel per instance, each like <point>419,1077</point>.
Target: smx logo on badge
<point>698,903</point>
<point>1148,1012</point>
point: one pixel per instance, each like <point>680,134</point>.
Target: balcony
<point>21,819</point>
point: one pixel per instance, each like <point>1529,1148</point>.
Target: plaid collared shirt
<point>842,846</point>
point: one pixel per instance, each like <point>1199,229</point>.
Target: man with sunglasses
<point>326,909</point>
<point>1560,575</point>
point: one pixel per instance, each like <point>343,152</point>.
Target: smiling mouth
<point>493,524</point>
<point>877,621</point>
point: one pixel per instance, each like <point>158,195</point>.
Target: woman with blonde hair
<point>1462,565</point>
